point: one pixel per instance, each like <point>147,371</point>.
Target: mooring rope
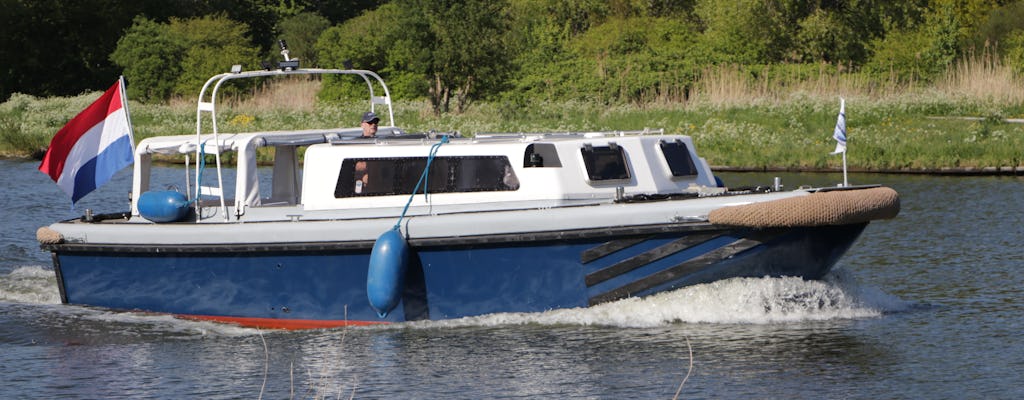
<point>423,181</point>
<point>199,175</point>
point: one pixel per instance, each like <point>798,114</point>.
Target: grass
<point>735,120</point>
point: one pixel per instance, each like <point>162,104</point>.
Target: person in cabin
<point>369,124</point>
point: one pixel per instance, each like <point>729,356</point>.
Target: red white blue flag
<point>94,145</point>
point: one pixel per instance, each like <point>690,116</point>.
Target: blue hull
<point>325,284</point>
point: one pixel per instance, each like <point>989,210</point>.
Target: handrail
<point>210,106</point>
<point>546,135</point>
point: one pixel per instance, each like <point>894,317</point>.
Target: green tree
<point>466,42</point>
<point>999,25</point>
<point>920,52</point>
<point>161,60</point>
<point>745,31</point>
<point>151,57</point>
<point>301,32</point>
<point>449,50</point>
<point>825,37</point>
<point>58,48</point>
<point>367,42</point>
<point>213,44</point>
<point>1014,47</point>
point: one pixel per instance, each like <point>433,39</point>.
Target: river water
<point>928,305</point>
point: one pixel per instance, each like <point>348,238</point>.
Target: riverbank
<point>948,171</point>
<point>927,131</point>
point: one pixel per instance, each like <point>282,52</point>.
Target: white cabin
<point>339,171</point>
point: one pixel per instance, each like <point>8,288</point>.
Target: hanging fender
<point>385,278</point>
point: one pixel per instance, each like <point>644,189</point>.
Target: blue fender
<point>385,279</point>
<point>163,206</point>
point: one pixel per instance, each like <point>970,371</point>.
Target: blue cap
<point>370,116</point>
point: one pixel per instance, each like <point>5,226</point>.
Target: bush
<point>214,44</point>
<point>301,32</point>
<point>150,55</point>
<point>623,60</point>
<point>359,42</point>
<point>1014,47</point>
<point>161,60</point>
<point>920,53</point>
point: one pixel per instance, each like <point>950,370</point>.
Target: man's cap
<point>370,116</point>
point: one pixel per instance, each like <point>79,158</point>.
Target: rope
<point>202,168</point>
<point>839,207</point>
<point>423,181</point>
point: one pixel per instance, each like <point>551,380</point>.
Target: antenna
<point>289,64</point>
<point>284,49</point>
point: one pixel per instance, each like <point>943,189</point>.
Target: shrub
<point>161,60</point>
<point>214,44</point>
<point>301,32</point>
<point>150,55</point>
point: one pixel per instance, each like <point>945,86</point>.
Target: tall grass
<point>778,117</point>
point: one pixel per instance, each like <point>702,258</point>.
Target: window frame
<point>448,174</point>
<point>599,162</point>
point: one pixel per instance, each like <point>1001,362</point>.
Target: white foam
<point>29,284</point>
<point>165,324</point>
<point>740,300</point>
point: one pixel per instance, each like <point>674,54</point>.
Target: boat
<point>346,230</point>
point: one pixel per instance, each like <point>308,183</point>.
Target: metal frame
<point>210,107</point>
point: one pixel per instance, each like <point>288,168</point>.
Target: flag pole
<point>839,134</point>
<point>846,183</point>
<point>123,86</point>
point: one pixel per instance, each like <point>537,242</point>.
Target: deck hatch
<point>605,163</point>
<point>677,155</point>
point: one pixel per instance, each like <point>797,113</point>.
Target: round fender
<point>385,279</point>
<point>163,206</point>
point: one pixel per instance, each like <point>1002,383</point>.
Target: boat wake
<point>732,301</point>
<point>30,284</point>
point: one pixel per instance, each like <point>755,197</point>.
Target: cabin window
<point>605,163</point>
<point>539,155</point>
<point>399,175</point>
<point>677,155</point>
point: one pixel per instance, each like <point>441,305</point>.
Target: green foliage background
<point>514,65</point>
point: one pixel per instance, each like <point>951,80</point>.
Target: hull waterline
<point>291,287</point>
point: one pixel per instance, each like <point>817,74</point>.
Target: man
<point>369,124</point>
<point>370,121</point>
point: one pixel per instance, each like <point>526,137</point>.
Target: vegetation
<point>755,82</point>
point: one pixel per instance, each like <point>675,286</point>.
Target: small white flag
<point>840,132</point>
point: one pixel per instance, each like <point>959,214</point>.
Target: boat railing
<point>208,104</point>
<point>567,135</point>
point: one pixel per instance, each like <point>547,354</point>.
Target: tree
<point>745,31</point>
<point>446,50</point>
<point>213,44</point>
<point>922,51</point>
<point>161,60</point>
<point>301,33</point>
<point>150,55</point>
<point>367,42</point>
<point>53,47</point>
<point>467,52</point>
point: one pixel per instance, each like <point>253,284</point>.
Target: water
<point>928,305</point>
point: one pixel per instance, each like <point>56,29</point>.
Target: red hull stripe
<point>274,323</point>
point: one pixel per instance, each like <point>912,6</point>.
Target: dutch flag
<point>839,134</point>
<point>94,145</point>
